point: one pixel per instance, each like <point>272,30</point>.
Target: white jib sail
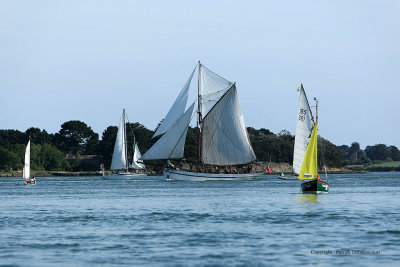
<point>171,144</point>
<point>27,166</point>
<point>212,88</point>
<point>225,140</point>
<point>119,156</point>
<point>136,162</point>
<point>304,127</point>
<point>177,109</point>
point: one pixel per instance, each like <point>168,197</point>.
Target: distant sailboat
<point>137,163</point>
<point>223,137</point>
<point>26,173</point>
<point>308,173</point>
<point>119,161</point>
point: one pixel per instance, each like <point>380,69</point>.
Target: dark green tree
<point>106,146</point>
<point>38,136</point>
<point>394,153</point>
<point>75,137</point>
<point>9,160</point>
<point>329,154</point>
<point>8,138</point>
<point>377,152</point>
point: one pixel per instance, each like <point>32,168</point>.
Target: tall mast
<point>316,110</point>
<point>199,116</point>
<point>125,140</point>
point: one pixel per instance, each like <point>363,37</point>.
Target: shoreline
<point>86,174</point>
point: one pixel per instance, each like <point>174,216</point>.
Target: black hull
<point>315,186</point>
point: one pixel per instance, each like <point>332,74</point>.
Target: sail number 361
<point>302,114</point>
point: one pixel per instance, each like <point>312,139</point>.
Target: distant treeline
<point>75,138</point>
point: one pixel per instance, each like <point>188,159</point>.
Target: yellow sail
<point>309,167</point>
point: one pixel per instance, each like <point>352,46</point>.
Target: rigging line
<point>213,93</point>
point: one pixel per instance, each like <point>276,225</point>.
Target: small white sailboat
<point>119,161</point>
<point>223,137</point>
<point>26,173</point>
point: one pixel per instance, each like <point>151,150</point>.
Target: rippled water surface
<point>92,221</point>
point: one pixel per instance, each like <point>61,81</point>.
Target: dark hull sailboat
<point>315,186</point>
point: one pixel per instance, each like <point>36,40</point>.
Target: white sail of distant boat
<point>119,157</point>
<point>304,127</point>
<point>224,139</point>
<point>119,160</point>
<point>26,173</point>
<point>137,163</point>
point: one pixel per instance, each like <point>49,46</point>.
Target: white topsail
<point>225,138</point>
<point>136,162</point>
<point>27,167</point>
<point>177,109</point>
<point>119,156</point>
<point>211,88</point>
<point>304,127</point>
<point>171,144</point>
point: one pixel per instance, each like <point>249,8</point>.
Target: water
<point>91,221</point>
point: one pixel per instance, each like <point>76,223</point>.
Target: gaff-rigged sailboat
<point>120,156</point>
<point>312,183</point>
<point>26,173</point>
<point>223,137</point>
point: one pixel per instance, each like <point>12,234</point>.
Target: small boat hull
<point>175,175</point>
<point>287,177</point>
<point>26,182</point>
<point>314,187</point>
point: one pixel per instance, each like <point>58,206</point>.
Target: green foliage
<point>106,147</point>
<point>76,137</point>
<point>271,147</point>
<point>10,137</point>
<point>38,136</point>
<point>9,160</point>
<point>192,145</point>
<point>52,159</point>
<point>377,152</point>
<point>394,153</point>
<point>329,154</point>
<point>384,166</point>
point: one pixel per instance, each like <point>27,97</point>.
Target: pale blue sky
<point>86,60</point>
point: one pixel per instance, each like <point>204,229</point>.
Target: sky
<point>87,60</point>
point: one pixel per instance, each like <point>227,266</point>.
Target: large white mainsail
<point>119,156</point>
<point>211,88</point>
<point>171,144</point>
<point>27,166</point>
<point>177,109</point>
<point>304,127</point>
<point>136,162</point>
<point>225,140</point>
